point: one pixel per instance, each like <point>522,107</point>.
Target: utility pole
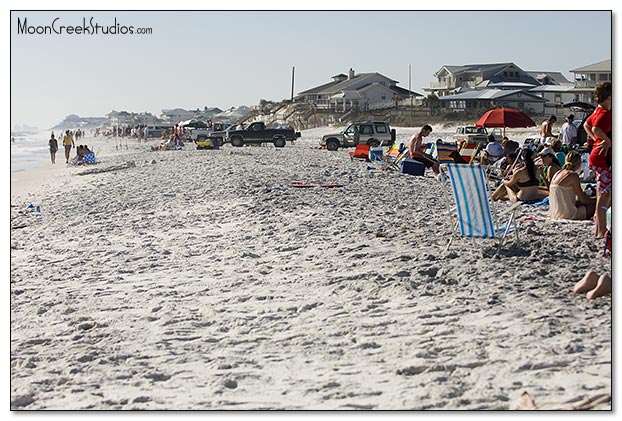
<point>293,69</point>
<point>410,92</point>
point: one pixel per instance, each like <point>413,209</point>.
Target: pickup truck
<point>256,133</point>
<point>471,134</point>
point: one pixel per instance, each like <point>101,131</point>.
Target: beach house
<point>452,80</point>
<point>359,92</point>
<point>175,115</point>
<point>483,86</point>
<point>585,79</point>
<point>491,98</point>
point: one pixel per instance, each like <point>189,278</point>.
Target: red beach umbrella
<point>505,117</point>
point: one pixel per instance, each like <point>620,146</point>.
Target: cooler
<point>412,167</point>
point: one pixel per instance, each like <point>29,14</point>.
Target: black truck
<point>256,133</point>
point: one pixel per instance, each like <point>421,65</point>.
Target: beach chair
<point>468,151</point>
<point>393,152</point>
<point>361,152</point>
<point>473,206</point>
<point>444,151</point>
<point>396,163</point>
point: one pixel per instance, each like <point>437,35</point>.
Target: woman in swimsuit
<point>564,190</point>
<point>522,184</point>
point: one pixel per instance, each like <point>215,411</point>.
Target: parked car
<point>204,133</point>
<point>223,131</point>
<point>193,124</point>
<point>471,134</point>
<point>372,133</point>
<point>156,131</point>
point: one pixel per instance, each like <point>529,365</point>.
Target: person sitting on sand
<point>595,286</point>
<point>556,145</point>
<point>77,160</point>
<point>509,146</point>
<point>416,149</point>
<point>504,165</point>
<point>493,151</point>
<point>564,190</point>
<point>522,184</point>
<point>550,167</point>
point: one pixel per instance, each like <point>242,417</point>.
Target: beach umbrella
<point>505,117</point>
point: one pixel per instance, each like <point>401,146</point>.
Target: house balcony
<point>584,84</point>
<point>446,85</point>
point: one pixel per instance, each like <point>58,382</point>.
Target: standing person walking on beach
<point>68,143</point>
<point>416,148</point>
<point>53,144</point>
<point>598,127</point>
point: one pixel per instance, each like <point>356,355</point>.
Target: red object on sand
<point>306,185</point>
<point>505,117</point>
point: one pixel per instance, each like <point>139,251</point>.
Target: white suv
<point>372,133</point>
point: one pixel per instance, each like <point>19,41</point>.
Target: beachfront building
<point>118,118</point>
<point>492,98</point>
<point>175,115</point>
<point>359,92</point>
<point>555,96</point>
<point>585,79</point>
<point>452,80</point>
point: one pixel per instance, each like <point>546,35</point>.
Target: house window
<point>383,97</point>
<point>558,98</point>
<point>505,74</point>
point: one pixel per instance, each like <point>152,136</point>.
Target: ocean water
<point>30,150</point>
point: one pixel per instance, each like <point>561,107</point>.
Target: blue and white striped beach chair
<point>473,206</point>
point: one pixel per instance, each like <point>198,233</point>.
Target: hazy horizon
<point>196,59</point>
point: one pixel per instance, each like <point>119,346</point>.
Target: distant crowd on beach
<point>550,169</point>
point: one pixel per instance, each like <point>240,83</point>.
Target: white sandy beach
<point>200,280</point>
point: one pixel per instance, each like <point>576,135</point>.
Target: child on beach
<point>53,144</point>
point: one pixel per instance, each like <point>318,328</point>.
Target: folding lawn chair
<point>473,205</point>
<point>444,151</point>
<point>468,151</point>
<point>393,152</point>
<point>361,152</point>
<point>395,164</point>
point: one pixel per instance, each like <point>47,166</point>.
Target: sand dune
<point>202,280</point>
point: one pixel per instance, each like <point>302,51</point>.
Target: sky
<point>230,58</point>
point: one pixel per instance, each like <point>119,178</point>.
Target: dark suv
<point>372,133</point>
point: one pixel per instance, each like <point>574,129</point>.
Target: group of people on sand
<point>68,144</point>
<point>83,153</point>
<point>530,174</point>
<point>556,174</point>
